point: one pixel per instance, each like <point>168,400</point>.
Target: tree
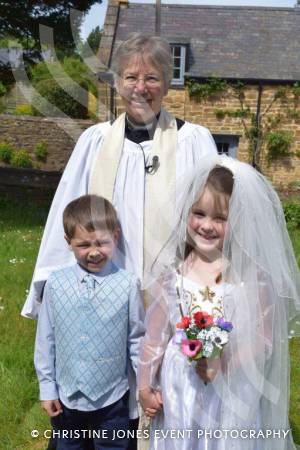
<point>21,19</point>
<point>94,39</point>
<point>92,42</point>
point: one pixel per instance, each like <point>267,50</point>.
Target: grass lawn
<point>20,233</point>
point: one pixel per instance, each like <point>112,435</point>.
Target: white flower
<point>208,348</point>
<point>220,338</point>
<point>213,332</point>
<point>202,335</point>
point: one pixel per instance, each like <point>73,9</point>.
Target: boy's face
<point>93,249</point>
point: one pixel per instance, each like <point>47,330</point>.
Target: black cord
<point>150,168</point>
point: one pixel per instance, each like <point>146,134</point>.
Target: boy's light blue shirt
<point>45,352</point>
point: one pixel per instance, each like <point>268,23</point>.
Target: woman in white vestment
<point>136,162</point>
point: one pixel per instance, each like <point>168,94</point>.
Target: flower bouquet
<point>201,335</point>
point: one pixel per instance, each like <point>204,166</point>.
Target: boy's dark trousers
<point>89,444</point>
<point>109,424</point>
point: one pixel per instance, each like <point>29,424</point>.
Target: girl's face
<point>207,223</point>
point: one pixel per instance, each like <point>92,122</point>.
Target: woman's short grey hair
<point>152,49</point>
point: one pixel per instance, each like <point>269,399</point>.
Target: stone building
<point>241,63</point>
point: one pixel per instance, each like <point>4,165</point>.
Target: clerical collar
<point>147,127</point>
<point>141,133</point>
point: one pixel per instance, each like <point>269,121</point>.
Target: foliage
<point>52,81</point>
<point>92,42</point>
<point>213,87</point>
<point>21,158</point>
<point>21,19</point>
<point>61,100</point>
<point>4,43</point>
<point>220,114</point>
<point>278,144</point>
<point>260,127</point>
<point>41,151</point>
<point>6,152</point>
<point>237,114</point>
<point>292,213</point>
<point>6,75</point>
<point>23,110</point>
<point>293,114</point>
<point>2,89</point>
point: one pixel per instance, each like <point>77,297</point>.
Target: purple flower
<point>227,326</point>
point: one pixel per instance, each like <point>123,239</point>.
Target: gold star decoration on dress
<point>207,294</point>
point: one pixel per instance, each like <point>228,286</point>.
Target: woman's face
<point>142,89</point>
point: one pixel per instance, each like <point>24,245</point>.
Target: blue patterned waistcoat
<point>91,330</point>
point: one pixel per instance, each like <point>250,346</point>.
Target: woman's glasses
<point>148,80</point>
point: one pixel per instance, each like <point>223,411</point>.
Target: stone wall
<point>281,172</point>
<point>24,184</point>
<point>59,134</point>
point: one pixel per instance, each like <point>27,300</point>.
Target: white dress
<point>197,405</point>
<point>194,414</point>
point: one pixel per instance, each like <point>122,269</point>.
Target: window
<point>179,55</point>
<point>226,144</point>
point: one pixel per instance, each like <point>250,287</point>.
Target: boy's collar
<point>98,276</point>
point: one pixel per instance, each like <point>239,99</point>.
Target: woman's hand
<point>52,407</point>
<point>150,401</point>
<point>207,369</point>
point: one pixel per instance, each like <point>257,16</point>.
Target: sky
<point>96,14</point>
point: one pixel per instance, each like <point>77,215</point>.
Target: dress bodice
<point>195,297</point>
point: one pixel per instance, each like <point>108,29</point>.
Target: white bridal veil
<point>263,303</point>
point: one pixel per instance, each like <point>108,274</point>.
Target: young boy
<point>90,322</point>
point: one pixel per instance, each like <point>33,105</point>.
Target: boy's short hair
<point>91,212</point>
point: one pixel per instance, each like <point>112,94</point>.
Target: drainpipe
<point>157,17</point>
<point>256,150</point>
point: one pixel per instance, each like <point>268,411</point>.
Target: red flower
<point>203,320</point>
<point>185,322</point>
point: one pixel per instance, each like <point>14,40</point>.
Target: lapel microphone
<point>152,168</point>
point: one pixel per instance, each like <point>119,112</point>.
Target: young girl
<point>237,264</point>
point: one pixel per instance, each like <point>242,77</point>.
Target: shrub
<point>209,90</point>
<point>292,213</point>
<point>61,99</point>
<point>52,82</point>
<point>23,110</point>
<point>21,158</point>
<point>278,144</point>
<point>220,114</point>
<point>6,152</point>
<point>2,89</point>
<point>41,151</point>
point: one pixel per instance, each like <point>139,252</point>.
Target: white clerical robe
<point>194,143</point>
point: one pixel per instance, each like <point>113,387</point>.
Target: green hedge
<point>61,99</point>
<point>52,82</point>
<point>292,213</point>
